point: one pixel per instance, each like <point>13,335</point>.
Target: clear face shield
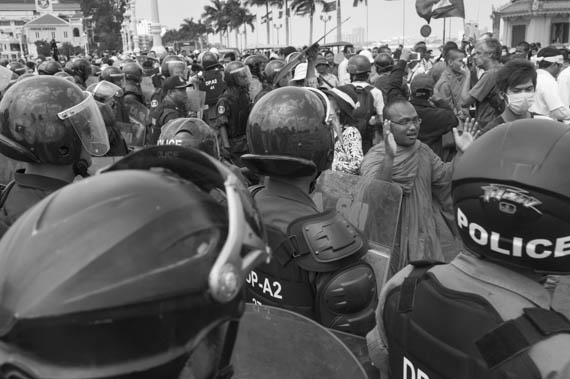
<point>105,92</point>
<point>88,123</point>
<point>245,247</point>
<point>242,76</point>
<point>176,68</point>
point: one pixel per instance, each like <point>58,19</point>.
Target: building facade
<point>544,21</point>
<point>16,14</point>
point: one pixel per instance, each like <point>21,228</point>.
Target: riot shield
<point>279,344</point>
<point>147,88</point>
<point>358,346</point>
<point>373,206</point>
<point>99,163</point>
<point>134,132</point>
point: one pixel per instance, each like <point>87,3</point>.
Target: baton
<point>289,66</point>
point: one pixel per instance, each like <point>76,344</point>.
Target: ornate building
<point>544,21</point>
<point>16,40</point>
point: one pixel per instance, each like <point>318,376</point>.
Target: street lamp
<point>277,27</point>
<point>325,19</point>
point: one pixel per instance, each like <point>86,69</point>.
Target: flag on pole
<point>267,16</point>
<point>329,6</point>
<point>429,9</point>
<point>304,10</point>
<point>355,3</point>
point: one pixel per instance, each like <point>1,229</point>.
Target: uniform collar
<point>500,276</point>
<point>40,182</point>
<point>288,191</point>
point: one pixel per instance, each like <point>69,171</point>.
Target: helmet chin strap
<point>80,168</point>
<point>225,368</point>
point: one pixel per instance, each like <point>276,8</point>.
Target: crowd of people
<point>142,268</point>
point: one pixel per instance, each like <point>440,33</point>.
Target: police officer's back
<point>54,127</point>
<point>232,111</point>
<point>132,86</point>
<point>487,314</point>
<point>172,106</point>
<point>317,270</point>
<point>212,82</point>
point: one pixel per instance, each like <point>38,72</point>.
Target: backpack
<point>362,113</point>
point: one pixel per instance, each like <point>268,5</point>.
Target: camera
<point>414,56</point>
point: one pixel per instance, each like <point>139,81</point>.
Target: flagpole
<point>403,23</point>
<point>367,36</point>
<point>444,22</point>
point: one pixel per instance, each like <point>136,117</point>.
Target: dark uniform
<point>133,92</point>
<point>213,84</point>
<point>232,111</point>
<point>316,268</point>
<point>22,194</point>
<point>492,317</point>
<point>167,110</point>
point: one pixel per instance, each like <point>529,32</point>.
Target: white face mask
<point>520,103</point>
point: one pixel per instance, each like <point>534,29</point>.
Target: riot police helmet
<point>237,74</point>
<point>18,68</point>
<point>272,68</point>
<point>511,198</point>
<point>383,62</point>
<point>133,71</point>
<point>210,61</point>
<point>174,65</point>
<point>190,132</point>
<point>49,68</point>
<point>358,64</point>
<point>81,67</point>
<point>288,133</point>
<point>112,74</point>
<point>47,119</point>
<point>256,64</point>
<point>151,292</point>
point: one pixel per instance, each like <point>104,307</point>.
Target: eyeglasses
<point>416,121</point>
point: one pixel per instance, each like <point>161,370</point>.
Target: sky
<point>385,20</point>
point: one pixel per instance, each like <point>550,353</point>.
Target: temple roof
<point>517,8</point>
<point>47,19</point>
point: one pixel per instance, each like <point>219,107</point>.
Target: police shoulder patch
<point>221,109</point>
<point>154,103</point>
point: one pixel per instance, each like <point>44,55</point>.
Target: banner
<point>44,6</point>
<point>329,6</point>
<point>429,9</point>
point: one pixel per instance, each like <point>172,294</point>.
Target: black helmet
<point>174,65</point>
<point>47,119</point>
<point>133,71</point>
<point>64,75</point>
<point>18,68</point>
<point>272,69</point>
<point>383,61</point>
<point>237,74</point>
<point>512,198</point>
<point>49,68</point>
<point>112,74</point>
<point>358,64</point>
<point>288,133</point>
<point>210,61</point>
<point>149,65</point>
<point>81,67</point>
<point>256,64</point>
<point>137,296</point>
<point>190,132</point>
<point>105,92</point>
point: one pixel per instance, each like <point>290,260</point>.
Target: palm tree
<point>248,20</point>
<point>267,4</point>
<point>215,14</point>
<point>304,7</point>
<point>191,30</point>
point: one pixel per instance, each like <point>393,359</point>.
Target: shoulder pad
<point>324,241</point>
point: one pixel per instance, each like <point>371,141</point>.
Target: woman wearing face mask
<point>516,82</point>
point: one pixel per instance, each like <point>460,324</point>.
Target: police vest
<point>238,104</point>
<point>438,333</point>
<point>317,271</point>
<point>213,84</point>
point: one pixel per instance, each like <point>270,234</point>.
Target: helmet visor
<point>242,76</point>
<point>105,91</point>
<point>176,68</point>
<point>88,123</point>
<point>244,247</point>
